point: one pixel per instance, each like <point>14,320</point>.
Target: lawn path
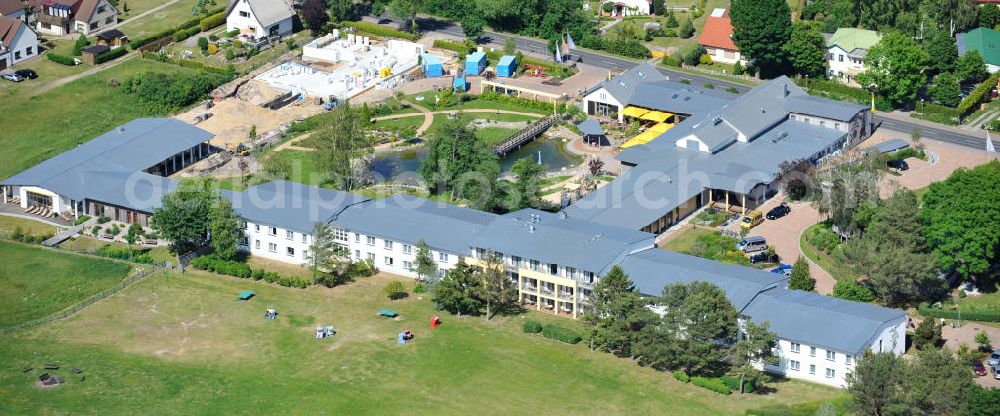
<point>98,68</point>
<point>143,14</point>
<point>428,117</point>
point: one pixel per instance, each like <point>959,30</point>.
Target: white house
<point>258,19</point>
<point>61,17</point>
<point>621,8</point>
<point>17,42</point>
<point>846,51</point>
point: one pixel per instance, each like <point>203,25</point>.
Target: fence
<point>525,135</point>
<point>721,74</point>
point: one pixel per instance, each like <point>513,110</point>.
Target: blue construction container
<point>507,66</point>
<point>432,66</point>
<point>475,63</point>
<point>459,85</point>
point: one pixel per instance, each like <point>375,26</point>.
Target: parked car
<point>26,73</point>
<point>751,219</point>
<point>11,77</point>
<point>996,372</point>
<point>785,269</point>
<point>778,211</point>
<point>978,369</point>
<point>994,359</point>
<point>898,164</point>
<point>752,244</point>
<point>762,257</point>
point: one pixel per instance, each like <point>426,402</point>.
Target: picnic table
<point>389,313</point>
<point>246,295</point>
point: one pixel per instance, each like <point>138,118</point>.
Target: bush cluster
<point>103,220</point>
<point>378,30</point>
<point>734,384</point>
<point>823,238</point>
<point>559,333</point>
<point>81,220</point>
<point>133,254</point>
<point>680,376</point>
<point>212,21</point>
<point>978,95</point>
<point>61,59</point>
<point>27,236</point>
<point>713,384</point>
<point>109,55</point>
<point>164,93</point>
<point>531,327</point>
<point>631,48</point>
<point>272,277</point>
<point>837,90</point>
<point>542,106</point>
<point>242,270</point>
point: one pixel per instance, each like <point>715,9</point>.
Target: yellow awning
<point>642,138</point>
<point>661,127</point>
<point>634,111</point>
<point>656,116</point>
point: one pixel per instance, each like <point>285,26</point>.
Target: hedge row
<point>841,91</point>
<point>559,333</point>
<point>734,384</point>
<point>242,270</point>
<point>713,384</point>
<point>182,34</point>
<point>972,315</point>
<point>212,21</point>
<point>379,30</point>
<point>542,106</point>
<point>978,95</point>
<point>61,59</point>
<point>272,277</point>
<point>631,48</point>
<point>185,30</point>
<point>532,327</point>
<point>187,63</point>
<point>109,55</point>
<point>136,255</point>
<point>680,376</point>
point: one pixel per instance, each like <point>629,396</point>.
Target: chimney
<point>786,88</point>
<point>121,130</point>
<point>562,214</point>
<point>531,228</point>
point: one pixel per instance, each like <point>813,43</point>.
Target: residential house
<point>717,38</point>
<point>17,42</point>
<point>13,9</point>
<point>845,53</point>
<point>260,19</point>
<point>621,8</point>
<point>62,17</point>
<point>984,40</point>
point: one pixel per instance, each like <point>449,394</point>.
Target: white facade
<point>276,243</point>
<point>726,56</point>
<point>630,7</point>
<point>60,204</point>
<point>843,66</point>
<point>827,366</point>
<point>242,18</point>
<point>104,15</point>
<point>23,47</point>
<point>601,103</point>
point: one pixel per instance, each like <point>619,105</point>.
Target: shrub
<point>182,34</point>
<point>837,90</point>
<point>81,220</point>
<point>394,290</point>
<point>231,33</point>
<point>212,49</point>
<point>520,102</point>
<point>631,48</point>
<point>846,289</point>
<point>379,30</point>
<point>680,376</point>
<point>137,255</point>
<point>949,313</point>
<point>271,277</point>
<point>978,95</point>
<point>671,60</point>
<point>109,55</point>
<point>102,219</point>
<point>96,230</point>
<point>216,265</point>
<point>230,55</point>
<point>732,90</point>
<point>18,234</point>
<point>531,327</point>
<point>212,21</point>
<point>734,384</point>
<point>712,384</point>
<point>203,43</point>
<point>257,274</point>
<point>61,59</point>
<point>559,333</point>
<point>419,288</point>
<point>160,92</point>
<point>705,59</point>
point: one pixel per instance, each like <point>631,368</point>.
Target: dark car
<point>12,77</point>
<point>778,211</point>
<point>898,164</point>
<point>762,257</point>
<point>26,73</point>
<point>978,369</point>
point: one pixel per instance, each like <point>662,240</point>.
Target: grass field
<point>827,262</point>
<point>183,344</point>
<point>707,243</point>
<point>167,18</point>
<point>89,244</point>
<point>8,224</point>
<point>35,282</point>
<point>57,120</point>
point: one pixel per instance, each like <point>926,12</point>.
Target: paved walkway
<point>784,235</point>
<point>428,117</point>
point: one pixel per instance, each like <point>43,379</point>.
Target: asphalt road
<point>944,134</point>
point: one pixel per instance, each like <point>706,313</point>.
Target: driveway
<point>943,159</point>
<point>783,234</point>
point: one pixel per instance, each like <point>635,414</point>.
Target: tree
<point>671,20</point>
<point>801,279</point>
<point>847,186</point>
<point>407,9</point>
<point>954,15</point>
<point>971,68</point>
<point>737,68</point>
<point>844,13</point>
<point>895,68</point>
<point>594,166</point>
<point>945,52</point>
<point>615,304</point>
<point>524,192</point>
<point>754,348</point>
<point>703,323</point>
<point>686,30</point>
<point>498,292</point>
<point>935,384</point>
<point>183,216</point>
<point>314,12</point>
<point>510,46</point>
<point>456,293</point>
<point>426,266</point>
<point>989,17</point>
<point>459,163</point>
<point>472,24</point>
<point>849,290</point>
<point>203,43</point>
<point>226,229</point>
<point>959,219</point>
<point>81,42</point>
<point>945,89</point>
<point>760,29</point>
<point>341,10</point>
<point>659,7</point>
<point>394,290</point>
<point>875,384</point>
<point>806,49</point>
<point>327,260</point>
<point>344,152</point>
<point>984,401</point>
<point>983,339</point>
<point>927,334</point>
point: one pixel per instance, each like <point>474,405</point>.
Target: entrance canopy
<point>634,112</point>
<point>648,135</point>
<point>656,116</point>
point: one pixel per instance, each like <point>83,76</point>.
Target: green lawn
<point>167,18</point>
<point>707,243</point>
<point>58,120</point>
<point>35,282</point>
<point>87,244</point>
<point>183,344</point>
<point>826,261</point>
<point>8,224</point>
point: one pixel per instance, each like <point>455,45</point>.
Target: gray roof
<point>760,108</point>
<point>822,107</point>
<point>890,145</point>
<point>590,127</point>
<point>406,218</point>
<point>655,268</point>
<point>644,86</point>
<point>624,85</point>
<point>553,238</point>
<point>267,12</point>
<point>106,167</point>
<point>291,205</point>
<point>826,321</point>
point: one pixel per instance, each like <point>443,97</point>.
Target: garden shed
<point>475,63</point>
<point>432,66</point>
<point>507,66</point>
<point>90,53</point>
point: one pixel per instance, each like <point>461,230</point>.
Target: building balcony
<point>529,288</point>
<point>547,292</point>
<point>565,296</point>
<point>52,20</point>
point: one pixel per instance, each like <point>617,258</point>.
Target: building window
<point>388,261</point>
<point>840,58</point>
<point>812,369</point>
<point>848,359</point>
<point>812,351</point>
<point>534,265</point>
<point>571,273</point>
<point>407,249</point>
<point>371,256</point>
<point>515,261</point>
<point>443,257</point>
<point>244,225</point>
<point>836,126</point>
<point>28,51</point>
<point>245,241</point>
<point>305,238</point>
<point>256,228</point>
<point>274,231</point>
<point>357,254</point>
<point>305,253</point>
<point>290,251</point>
<point>109,19</point>
<point>272,247</point>
<point>830,373</point>
<point>339,234</point>
<point>244,14</point>
<point>822,123</point>
<point>17,54</point>
<point>100,10</point>
<point>830,355</point>
<point>554,269</point>
<point>387,245</point>
<point>357,238</point>
<point>796,346</point>
<point>794,365</point>
<point>289,234</point>
<point>407,265</point>
<point>370,240</point>
<point>256,244</point>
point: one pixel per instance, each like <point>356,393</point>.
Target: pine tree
<point>226,230</point>
<point>498,292</point>
<point>426,267</point>
<point>801,278</point>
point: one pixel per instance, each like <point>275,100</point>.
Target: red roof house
<point>717,38</point>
